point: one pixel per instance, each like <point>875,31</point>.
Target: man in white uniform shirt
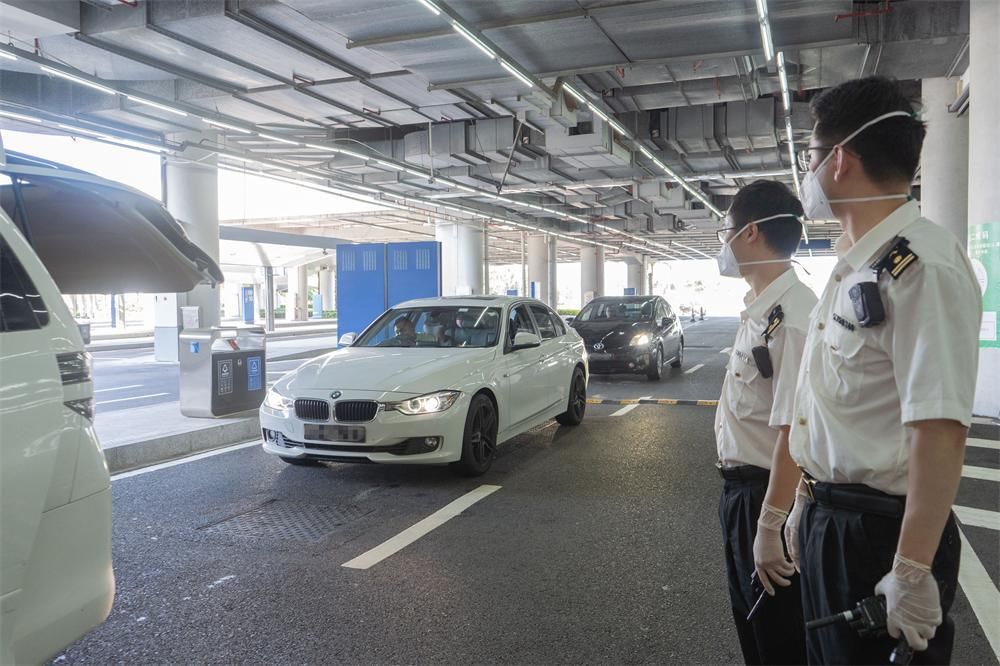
<point>761,233</point>
<point>885,393</point>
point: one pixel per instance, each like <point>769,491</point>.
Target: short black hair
<point>890,149</point>
<point>764,198</point>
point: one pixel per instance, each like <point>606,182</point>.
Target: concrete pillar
<point>298,291</point>
<point>268,290</point>
<point>461,258</point>
<point>191,193</point>
<point>984,195</point>
<point>486,258</point>
<point>553,291</point>
<point>634,279</point>
<point>327,271</point>
<point>591,273</point>
<point>538,265</point>
<point>944,162</point>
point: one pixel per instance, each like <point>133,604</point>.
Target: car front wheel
<point>479,444</point>
<point>576,406</point>
<point>655,371</point>
<point>676,363</point>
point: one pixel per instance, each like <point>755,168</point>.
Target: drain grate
<point>287,521</point>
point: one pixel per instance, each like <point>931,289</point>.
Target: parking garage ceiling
<point>625,123</point>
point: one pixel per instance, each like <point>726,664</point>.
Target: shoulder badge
<point>897,259</point>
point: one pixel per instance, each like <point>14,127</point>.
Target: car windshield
<point>435,326</point>
<point>597,311</point>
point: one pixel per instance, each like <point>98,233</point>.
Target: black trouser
<point>776,635</point>
<point>848,539</point>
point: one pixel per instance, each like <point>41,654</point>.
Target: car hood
<point>412,371</point>
<point>611,333</point>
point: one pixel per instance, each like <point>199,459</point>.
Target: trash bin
<point>222,370</point>
<point>84,327</point>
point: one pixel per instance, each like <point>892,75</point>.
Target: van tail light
<point>84,407</point>
<point>74,367</point>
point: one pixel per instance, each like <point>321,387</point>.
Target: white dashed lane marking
<point>694,369</point>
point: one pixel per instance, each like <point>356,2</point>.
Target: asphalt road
<point>601,544</point>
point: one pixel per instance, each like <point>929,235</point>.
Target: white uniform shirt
<point>860,387</point>
<point>752,408</point>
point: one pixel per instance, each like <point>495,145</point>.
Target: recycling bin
<point>223,370</point>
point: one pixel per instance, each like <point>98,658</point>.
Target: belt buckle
<point>810,482</point>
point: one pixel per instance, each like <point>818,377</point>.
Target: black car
<point>634,334</point>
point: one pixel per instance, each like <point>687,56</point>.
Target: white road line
<point>182,461</point>
<point>726,350</point>
<point>983,443</point>
<point>411,534</point>
<point>137,397</point>
<point>982,594</point>
<point>119,388</point>
<point>978,517</point>
<point>695,369</point>
<point>983,473</point>
<point>628,408</point>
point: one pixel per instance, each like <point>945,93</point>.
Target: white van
<point>64,231</point>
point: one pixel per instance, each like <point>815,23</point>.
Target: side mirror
<point>525,340</point>
<point>667,322</point>
<point>347,339</point>
<point>570,320</point>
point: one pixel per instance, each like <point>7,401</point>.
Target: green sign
<point>984,251</point>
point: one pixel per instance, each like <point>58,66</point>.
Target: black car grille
<point>355,411</point>
<point>312,410</point>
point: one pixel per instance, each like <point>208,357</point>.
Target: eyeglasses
<point>804,156</point>
<point>723,232</point>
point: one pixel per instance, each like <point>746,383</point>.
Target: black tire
<point>676,363</point>
<point>301,462</point>
<point>479,442</point>
<point>576,405</point>
<point>655,370</point>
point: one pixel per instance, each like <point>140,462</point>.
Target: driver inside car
<point>405,334</point>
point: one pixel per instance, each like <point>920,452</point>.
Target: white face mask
<point>814,199</point>
<point>728,264</point>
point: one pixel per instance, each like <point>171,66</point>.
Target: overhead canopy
<point>97,236</point>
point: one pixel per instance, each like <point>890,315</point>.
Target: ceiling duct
<point>750,125</point>
<point>587,146</point>
<point>691,129</point>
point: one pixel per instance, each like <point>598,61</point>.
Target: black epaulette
<point>896,260</point>
<point>773,322</point>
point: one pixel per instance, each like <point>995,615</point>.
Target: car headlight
<point>640,340</point>
<point>275,400</point>
<point>432,403</point>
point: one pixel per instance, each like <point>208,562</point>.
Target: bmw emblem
<point>336,394</point>
<point>599,346</point>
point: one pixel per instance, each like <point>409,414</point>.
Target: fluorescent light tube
<point>518,75</point>
<point>430,6</point>
<point>575,94</point>
<point>216,123</point>
<point>472,38</point>
<point>271,137</point>
<point>157,105</point>
<point>76,79</point>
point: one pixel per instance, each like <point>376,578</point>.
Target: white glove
<point>768,554</point>
<point>912,600</point>
<point>792,525</point>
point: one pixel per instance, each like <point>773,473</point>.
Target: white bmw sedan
<point>440,380</point>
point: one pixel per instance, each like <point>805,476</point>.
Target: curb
<point>133,455</point>
<point>665,401</point>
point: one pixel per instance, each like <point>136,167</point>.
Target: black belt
<point>744,473</point>
<point>855,497</point>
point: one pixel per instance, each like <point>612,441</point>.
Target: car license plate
<point>335,433</point>
<point>599,356</point>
